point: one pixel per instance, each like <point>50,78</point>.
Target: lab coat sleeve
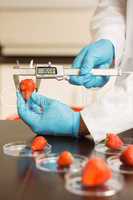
<point>111,111</point>
<point>109,23</point>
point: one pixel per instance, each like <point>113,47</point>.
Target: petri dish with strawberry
<point>94,179</point>
<point>39,146</point>
<point>60,163</point>
<point>113,144</point>
<point>122,163</point>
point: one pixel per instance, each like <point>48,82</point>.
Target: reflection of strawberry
<point>65,159</point>
<point>127,156</point>
<point>113,141</point>
<point>96,172</point>
<point>39,143</point>
<point>27,86</point>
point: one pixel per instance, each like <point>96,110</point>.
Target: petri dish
<point>22,149</point>
<point>117,166</point>
<point>74,185</point>
<point>49,163</point>
<point>102,148</point>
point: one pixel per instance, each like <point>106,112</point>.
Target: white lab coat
<point>112,108</point>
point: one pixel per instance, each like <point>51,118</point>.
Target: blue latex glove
<point>97,55</point>
<point>48,116</point>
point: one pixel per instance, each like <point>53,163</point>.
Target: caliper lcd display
<point>46,70</point>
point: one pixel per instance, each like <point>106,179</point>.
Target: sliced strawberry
<point>65,159</point>
<point>113,141</point>
<point>127,156</point>
<point>39,143</point>
<point>27,87</point>
<point>96,172</point>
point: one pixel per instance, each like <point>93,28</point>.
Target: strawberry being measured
<point>65,159</point>
<point>127,156</point>
<point>96,172</point>
<point>39,143</point>
<point>113,141</point>
<point>27,87</point>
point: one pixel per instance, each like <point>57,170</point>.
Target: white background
<point>46,3</point>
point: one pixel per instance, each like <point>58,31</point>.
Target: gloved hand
<point>97,55</point>
<point>48,116</point>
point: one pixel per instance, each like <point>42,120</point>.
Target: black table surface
<point>20,180</point>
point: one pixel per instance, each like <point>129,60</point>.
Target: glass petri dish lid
<point>74,185</point>
<point>117,166</point>
<point>22,149</point>
<point>102,148</point>
<point>48,163</point>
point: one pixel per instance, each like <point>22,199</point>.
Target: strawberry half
<point>113,141</point>
<point>65,159</point>
<point>127,156</point>
<point>96,172</point>
<point>27,87</point>
<point>39,143</point>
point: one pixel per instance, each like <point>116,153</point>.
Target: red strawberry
<point>27,86</point>
<point>113,141</point>
<point>77,109</point>
<point>127,156</point>
<point>65,159</point>
<point>96,172</point>
<point>13,117</point>
<point>39,143</point>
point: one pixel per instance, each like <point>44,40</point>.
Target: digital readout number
<point>47,70</point>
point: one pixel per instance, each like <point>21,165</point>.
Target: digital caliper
<point>59,72</point>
